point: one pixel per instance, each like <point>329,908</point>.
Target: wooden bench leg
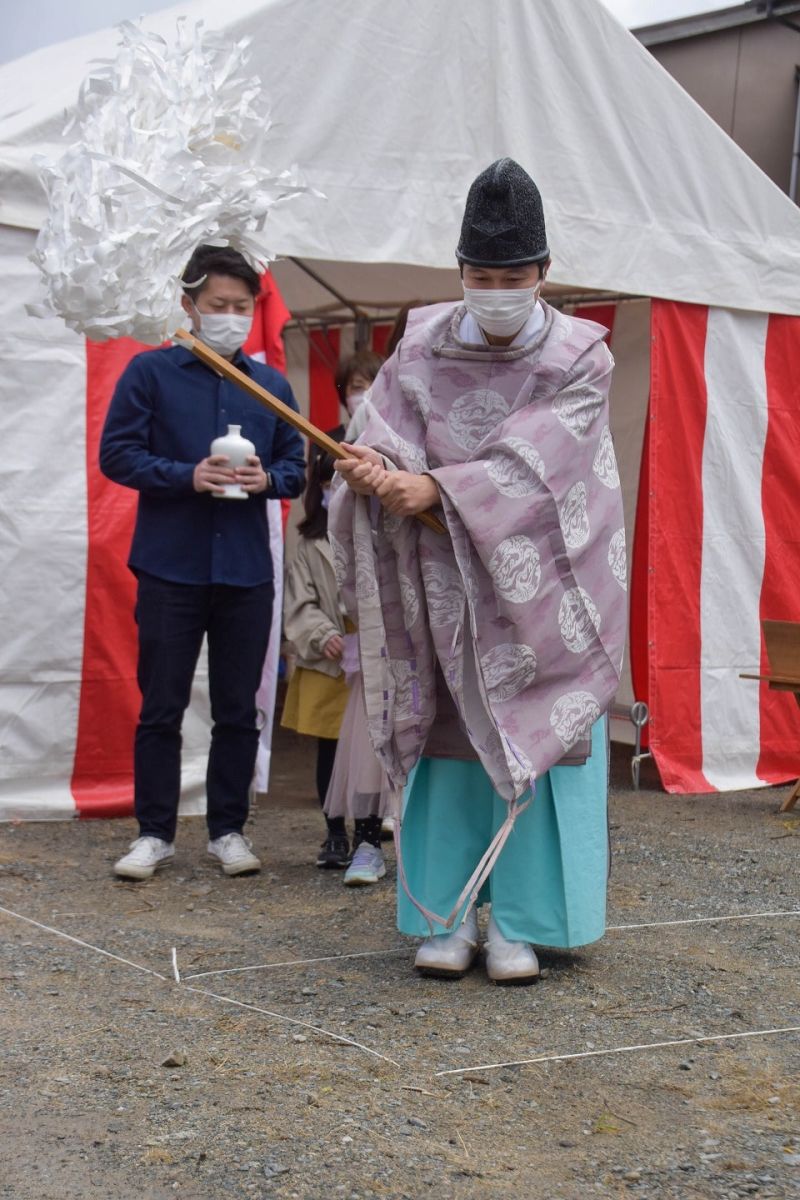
<point>791,799</point>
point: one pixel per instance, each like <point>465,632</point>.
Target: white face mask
<point>224,332</point>
<point>354,401</point>
<point>500,311</point>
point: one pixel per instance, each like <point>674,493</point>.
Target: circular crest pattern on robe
<point>578,619</point>
<point>573,715</point>
<point>508,669</point>
<point>617,559</point>
<point>516,468</point>
<point>605,461</point>
<point>417,395</point>
<point>473,413</point>
<point>444,592</point>
<point>577,409</point>
<point>515,568</point>
<point>575,517</point>
<point>410,601</point>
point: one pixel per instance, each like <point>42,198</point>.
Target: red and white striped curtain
<point>717,545</point>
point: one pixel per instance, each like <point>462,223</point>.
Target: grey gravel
<point>261,1108</point>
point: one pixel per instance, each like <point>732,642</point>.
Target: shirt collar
<point>184,358</point>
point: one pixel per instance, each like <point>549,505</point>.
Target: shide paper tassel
<point>169,150</point>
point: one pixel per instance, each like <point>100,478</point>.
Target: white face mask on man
<point>224,332</point>
<point>501,311</point>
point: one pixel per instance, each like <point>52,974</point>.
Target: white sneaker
<point>366,866</point>
<point>145,855</point>
<point>509,962</point>
<point>387,829</point>
<point>449,956</point>
<point>234,853</point>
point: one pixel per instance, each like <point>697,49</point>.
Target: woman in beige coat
<point>315,624</point>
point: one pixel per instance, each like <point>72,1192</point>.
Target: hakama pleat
<point>549,884</point>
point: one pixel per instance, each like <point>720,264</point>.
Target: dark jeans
<point>172,619</point>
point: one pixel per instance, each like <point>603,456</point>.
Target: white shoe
<point>509,962</point>
<point>234,853</point>
<point>145,855</point>
<point>387,829</point>
<point>366,866</point>
<point>449,956</point>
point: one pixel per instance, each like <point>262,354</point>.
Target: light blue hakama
<point>549,884</point>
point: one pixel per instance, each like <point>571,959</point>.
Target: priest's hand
<point>405,495</point>
<point>362,470</point>
<point>211,474</point>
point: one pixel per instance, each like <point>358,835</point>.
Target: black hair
<point>362,362</point>
<point>320,471</point>
<point>218,260</point>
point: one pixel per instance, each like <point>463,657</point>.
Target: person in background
<point>314,622</point>
<point>358,788</point>
<point>202,564</point>
<point>353,380</point>
<point>399,327</point>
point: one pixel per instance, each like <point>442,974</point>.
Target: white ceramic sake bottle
<point>238,449</point>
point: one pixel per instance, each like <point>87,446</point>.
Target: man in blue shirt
<point>202,562</point>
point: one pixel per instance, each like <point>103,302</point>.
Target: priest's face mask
<point>502,298</point>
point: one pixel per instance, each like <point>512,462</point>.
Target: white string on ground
<point>792,912</point>
<point>302,962</point>
<point>337,1037</point>
<point>689,1041</point>
<point>78,942</point>
<point>297,962</point>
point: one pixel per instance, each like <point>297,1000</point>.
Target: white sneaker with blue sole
<point>367,866</point>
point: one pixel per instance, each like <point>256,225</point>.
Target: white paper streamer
<point>169,151</point>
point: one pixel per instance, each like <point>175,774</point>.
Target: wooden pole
<point>284,411</point>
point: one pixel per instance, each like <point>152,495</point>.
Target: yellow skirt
<point>315,703</point>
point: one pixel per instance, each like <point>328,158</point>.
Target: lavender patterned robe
<point>523,603</point>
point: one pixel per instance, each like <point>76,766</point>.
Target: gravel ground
<point>260,1104</point>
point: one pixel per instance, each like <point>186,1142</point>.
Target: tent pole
<point>362,325</point>
<point>796,143</point>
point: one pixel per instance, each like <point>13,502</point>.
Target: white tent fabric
<point>392,108</point>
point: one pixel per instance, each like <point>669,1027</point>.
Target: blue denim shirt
<point>166,410</point>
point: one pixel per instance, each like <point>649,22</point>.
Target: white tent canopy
<point>392,108</point>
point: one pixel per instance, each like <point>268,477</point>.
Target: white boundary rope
<point>87,945</point>
<point>690,1041</point>
<point>298,962</point>
<point>302,962</point>
<point>792,912</point>
<point>542,1058</point>
<point>337,1037</point>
